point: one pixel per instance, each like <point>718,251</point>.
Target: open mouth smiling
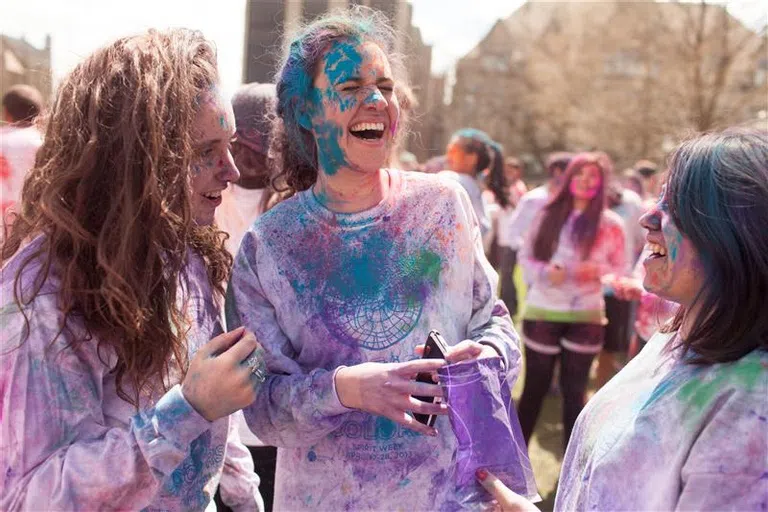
<point>657,251</point>
<point>367,131</point>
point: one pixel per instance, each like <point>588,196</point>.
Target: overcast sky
<point>78,27</point>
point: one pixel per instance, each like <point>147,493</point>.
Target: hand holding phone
<point>434,348</point>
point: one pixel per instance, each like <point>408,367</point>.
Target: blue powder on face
<point>330,156</point>
<point>343,61</point>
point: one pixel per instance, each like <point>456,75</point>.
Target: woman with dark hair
<point>575,242</point>
<point>342,281</point>
<point>112,395</point>
<point>469,153</point>
<point>683,425</point>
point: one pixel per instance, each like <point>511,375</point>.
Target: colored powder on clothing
<point>744,374</point>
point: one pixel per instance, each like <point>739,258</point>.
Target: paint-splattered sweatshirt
<point>68,442</point>
<point>323,290</point>
<point>573,300</point>
<point>668,435</point>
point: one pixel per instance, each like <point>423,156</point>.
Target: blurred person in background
<point>19,142</point>
<point>513,169</point>
<point>254,108</point>
<point>574,242</point>
<point>435,164</point>
<point>634,182</point>
<point>618,311</point>
<point>253,105</point>
<point>649,172</point>
<point>117,381</point>
<point>407,161</point>
<point>471,153</point>
<point>683,425</point>
<point>517,225</point>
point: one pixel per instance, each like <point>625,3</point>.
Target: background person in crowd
<point>513,169</point>
<point>649,172</point>
<point>345,279</point>
<point>19,141</point>
<point>254,109</point>
<point>683,425</point>
<point>469,153</point>
<point>253,105</point>
<point>573,244</point>
<point>634,182</point>
<point>618,311</point>
<point>112,395</point>
<point>517,225</point>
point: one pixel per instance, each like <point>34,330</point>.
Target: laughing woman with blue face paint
<point>344,280</point>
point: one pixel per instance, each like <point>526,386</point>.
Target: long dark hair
<point>717,195</point>
<point>489,156</point>
<point>110,192</point>
<point>559,208</point>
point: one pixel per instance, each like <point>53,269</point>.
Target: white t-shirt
<point>239,209</point>
<point>515,223</point>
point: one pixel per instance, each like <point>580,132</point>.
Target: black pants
<point>574,370</point>
<point>617,332</point>
<point>265,461</point>
<point>507,262</point>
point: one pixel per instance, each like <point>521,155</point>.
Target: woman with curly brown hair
<point>111,393</point>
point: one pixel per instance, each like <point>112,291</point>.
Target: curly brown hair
<point>109,193</point>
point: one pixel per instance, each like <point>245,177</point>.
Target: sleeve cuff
<point>335,406</point>
<point>177,420</point>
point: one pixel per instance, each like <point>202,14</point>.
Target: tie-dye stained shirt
<point>668,435</point>
<point>322,290</point>
<point>68,442</point>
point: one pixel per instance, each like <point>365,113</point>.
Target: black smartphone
<point>434,348</point>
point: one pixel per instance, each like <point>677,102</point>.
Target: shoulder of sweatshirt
<point>443,183</point>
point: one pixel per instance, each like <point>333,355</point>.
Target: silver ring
<point>255,363</point>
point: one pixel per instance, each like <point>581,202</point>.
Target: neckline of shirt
<point>359,219</point>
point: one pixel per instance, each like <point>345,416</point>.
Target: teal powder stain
<point>426,265</point>
<point>330,156</point>
<point>744,374</point>
<point>404,483</point>
<point>343,61</point>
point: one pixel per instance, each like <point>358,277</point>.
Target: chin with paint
<point>684,426</point>
<point>344,279</point>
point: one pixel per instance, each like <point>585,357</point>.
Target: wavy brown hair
<point>559,208</point>
<point>109,194</point>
